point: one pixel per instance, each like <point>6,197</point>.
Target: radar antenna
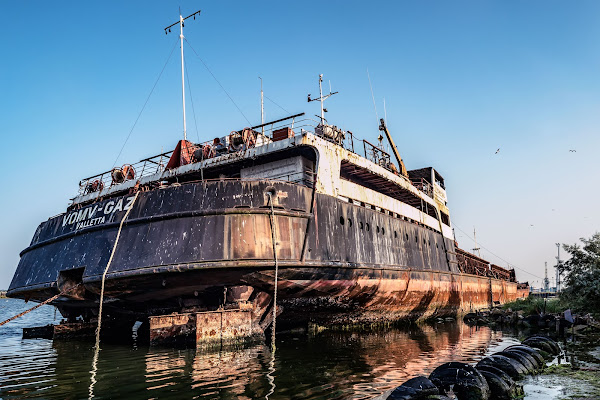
<point>181,37</point>
<point>322,98</point>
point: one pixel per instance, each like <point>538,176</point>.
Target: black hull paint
<point>182,245</point>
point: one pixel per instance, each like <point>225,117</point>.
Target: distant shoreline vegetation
<point>2,294</point>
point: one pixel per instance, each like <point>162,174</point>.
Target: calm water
<point>322,366</point>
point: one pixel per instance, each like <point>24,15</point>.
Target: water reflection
<point>328,365</point>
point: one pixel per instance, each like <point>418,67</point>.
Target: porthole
<point>349,222</point>
<point>342,220</point>
<point>382,230</point>
<point>360,224</point>
<point>395,234</point>
<point>406,236</point>
<point>377,229</point>
<point>436,246</point>
<point>368,227</point>
<point>416,239</point>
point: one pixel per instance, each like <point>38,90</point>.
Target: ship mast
<point>262,107</point>
<point>181,37</point>
<point>476,248</point>
<point>322,98</point>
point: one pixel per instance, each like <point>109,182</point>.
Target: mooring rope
<point>273,235</point>
<point>97,346</point>
<point>31,309</point>
<point>41,304</point>
<point>270,376</point>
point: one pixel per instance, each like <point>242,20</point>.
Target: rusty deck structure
<point>358,238</point>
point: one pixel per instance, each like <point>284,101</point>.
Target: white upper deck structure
<point>340,172</point>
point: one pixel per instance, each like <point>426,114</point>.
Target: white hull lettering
<point>87,216</point>
<point>109,207</point>
<point>129,201</point>
<point>119,206</point>
<point>90,222</point>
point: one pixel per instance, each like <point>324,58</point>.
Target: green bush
<point>582,276</point>
<point>534,305</point>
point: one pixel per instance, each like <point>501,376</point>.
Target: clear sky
<point>460,79</point>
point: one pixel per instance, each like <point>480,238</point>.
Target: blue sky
<point>460,80</point>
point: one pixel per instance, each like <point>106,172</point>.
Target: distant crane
<point>558,262</point>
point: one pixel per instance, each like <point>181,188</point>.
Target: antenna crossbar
<point>322,98</point>
<point>183,19</point>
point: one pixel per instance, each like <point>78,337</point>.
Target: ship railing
<point>423,185</point>
<point>156,164</point>
<point>304,178</point>
<point>295,179</point>
<point>343,138</point>
<point>147,166</point>
<point>263,134</point>
<point>471,264</point>
<point>152,166</point>
<point>331,133</point>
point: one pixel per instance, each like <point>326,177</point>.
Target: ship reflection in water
<point>325,365</point>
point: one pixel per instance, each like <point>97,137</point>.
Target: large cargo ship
<point>349,237</point>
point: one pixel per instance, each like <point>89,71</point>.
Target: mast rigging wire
<point>277,105</point>
<point>495,255</point>
<point>216,80</point>
<point>373,97</point>
<point>192,101</point>
<point>145,103</point>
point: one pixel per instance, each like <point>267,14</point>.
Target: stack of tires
<point>493,378</point>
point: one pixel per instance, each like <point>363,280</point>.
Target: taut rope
<point>273,235</point>
<point>270,376</point>
<point>39,305</point>
<point>97,346</point>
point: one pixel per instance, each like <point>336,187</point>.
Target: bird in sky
<point>497,151</point>
<point>573,151</point>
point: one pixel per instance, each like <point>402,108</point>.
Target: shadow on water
<point>327,365</point>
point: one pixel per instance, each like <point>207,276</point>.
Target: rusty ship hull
<point>207,244</point>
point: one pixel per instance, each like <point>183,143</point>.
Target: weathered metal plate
<point>225,325</point>
<point>75,330</point>
<point>208,327</point>
<point>236,325</point>
<point>165,329</point>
